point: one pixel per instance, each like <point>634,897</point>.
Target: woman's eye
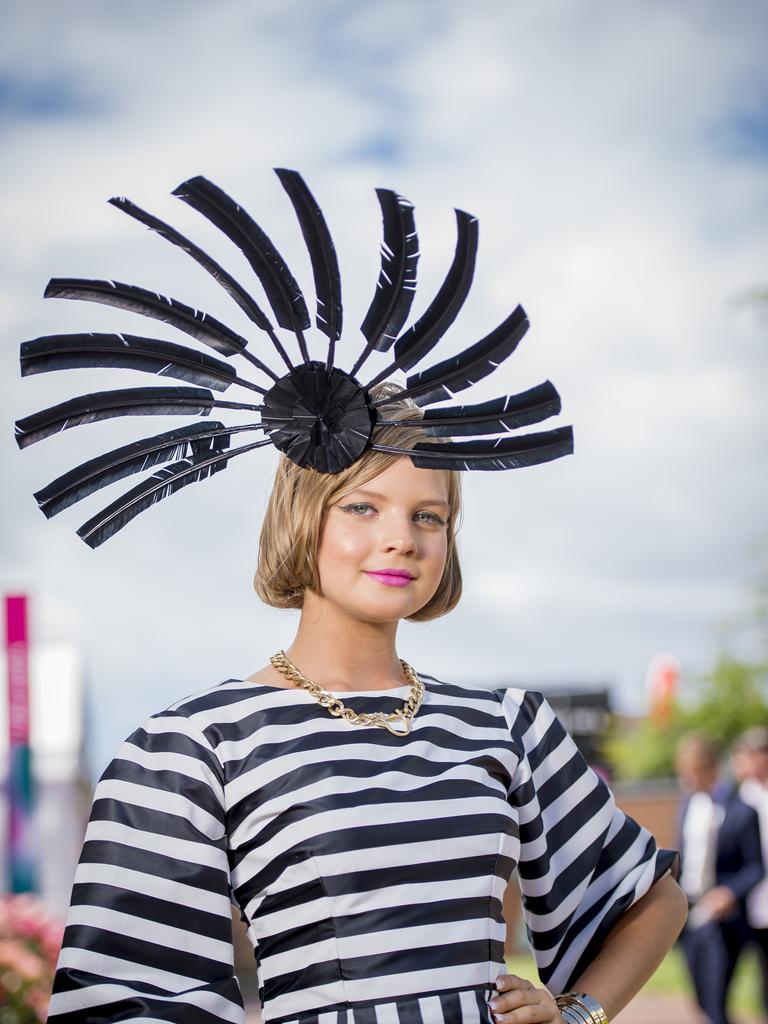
<point>431,517</point>
<point>356,507</point>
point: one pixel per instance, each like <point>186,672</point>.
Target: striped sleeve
<point>583,862</point>
<point>148,932</point>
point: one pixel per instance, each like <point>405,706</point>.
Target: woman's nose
<point>398,535</point>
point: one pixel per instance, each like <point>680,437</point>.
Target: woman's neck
<point>341,653</point>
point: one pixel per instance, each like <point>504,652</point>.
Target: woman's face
<point>396,521</point>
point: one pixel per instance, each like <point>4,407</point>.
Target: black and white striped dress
<point>369,868</point>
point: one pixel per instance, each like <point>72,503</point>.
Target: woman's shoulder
<point>454,687</point>
<point>173,739</point>
<point>520,710</point>
<point>516,700</point>
<point>215,701</point>
<point>189,716</point>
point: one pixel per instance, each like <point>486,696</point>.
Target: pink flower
<point>30,941</point>
<point>25,914</point>
<point>38,1001</point>
<point>21,960</point>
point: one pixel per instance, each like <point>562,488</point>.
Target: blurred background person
<point>749,763</point>
<point>719,843</point>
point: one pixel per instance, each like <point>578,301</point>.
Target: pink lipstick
<point>392,577</point>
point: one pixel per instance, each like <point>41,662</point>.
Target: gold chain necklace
<point>398,722</point>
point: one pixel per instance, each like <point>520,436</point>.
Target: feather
<point>499,414</point>
<point>172,401</point>
<point>462,371</point>
<point>232,287</point>
<point>282,291</point>
<point>396,285</point>
<point>131,458</point>
<point>322,253</point>
<point>128,351</point>
<point>421,338</point>
<point>200,326</point>
<point>489,453</point>
<point>161,484</point>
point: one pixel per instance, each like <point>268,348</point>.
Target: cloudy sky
<point>615,155</point>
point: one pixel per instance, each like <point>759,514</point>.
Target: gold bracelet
<point>580,1008</point>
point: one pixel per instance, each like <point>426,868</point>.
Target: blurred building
<point>60,796</point>
<point>586,714</point>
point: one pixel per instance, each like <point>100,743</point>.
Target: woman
<point>368,866</point>
<point>363,817</point>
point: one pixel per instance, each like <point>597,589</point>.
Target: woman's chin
<point>370,601</point>
<point>380,610</point>
<point>381,615</point>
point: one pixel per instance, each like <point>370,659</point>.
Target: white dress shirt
<point>702,821</point>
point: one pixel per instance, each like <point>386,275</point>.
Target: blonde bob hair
<point>290,533</point>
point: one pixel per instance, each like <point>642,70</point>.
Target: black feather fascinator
<point>320,416</point>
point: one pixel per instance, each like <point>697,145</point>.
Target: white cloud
<point>596,144</point>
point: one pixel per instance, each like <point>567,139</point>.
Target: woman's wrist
<point>580,1008</point>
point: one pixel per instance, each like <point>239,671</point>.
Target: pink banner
<point>22,869</point>
<point>17,652</point>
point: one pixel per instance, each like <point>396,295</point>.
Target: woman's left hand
<point>518,1001</point>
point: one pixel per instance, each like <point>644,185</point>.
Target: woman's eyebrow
<point>425,501</point>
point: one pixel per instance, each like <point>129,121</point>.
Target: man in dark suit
<point>721,861</point>
<point>749,763</point>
